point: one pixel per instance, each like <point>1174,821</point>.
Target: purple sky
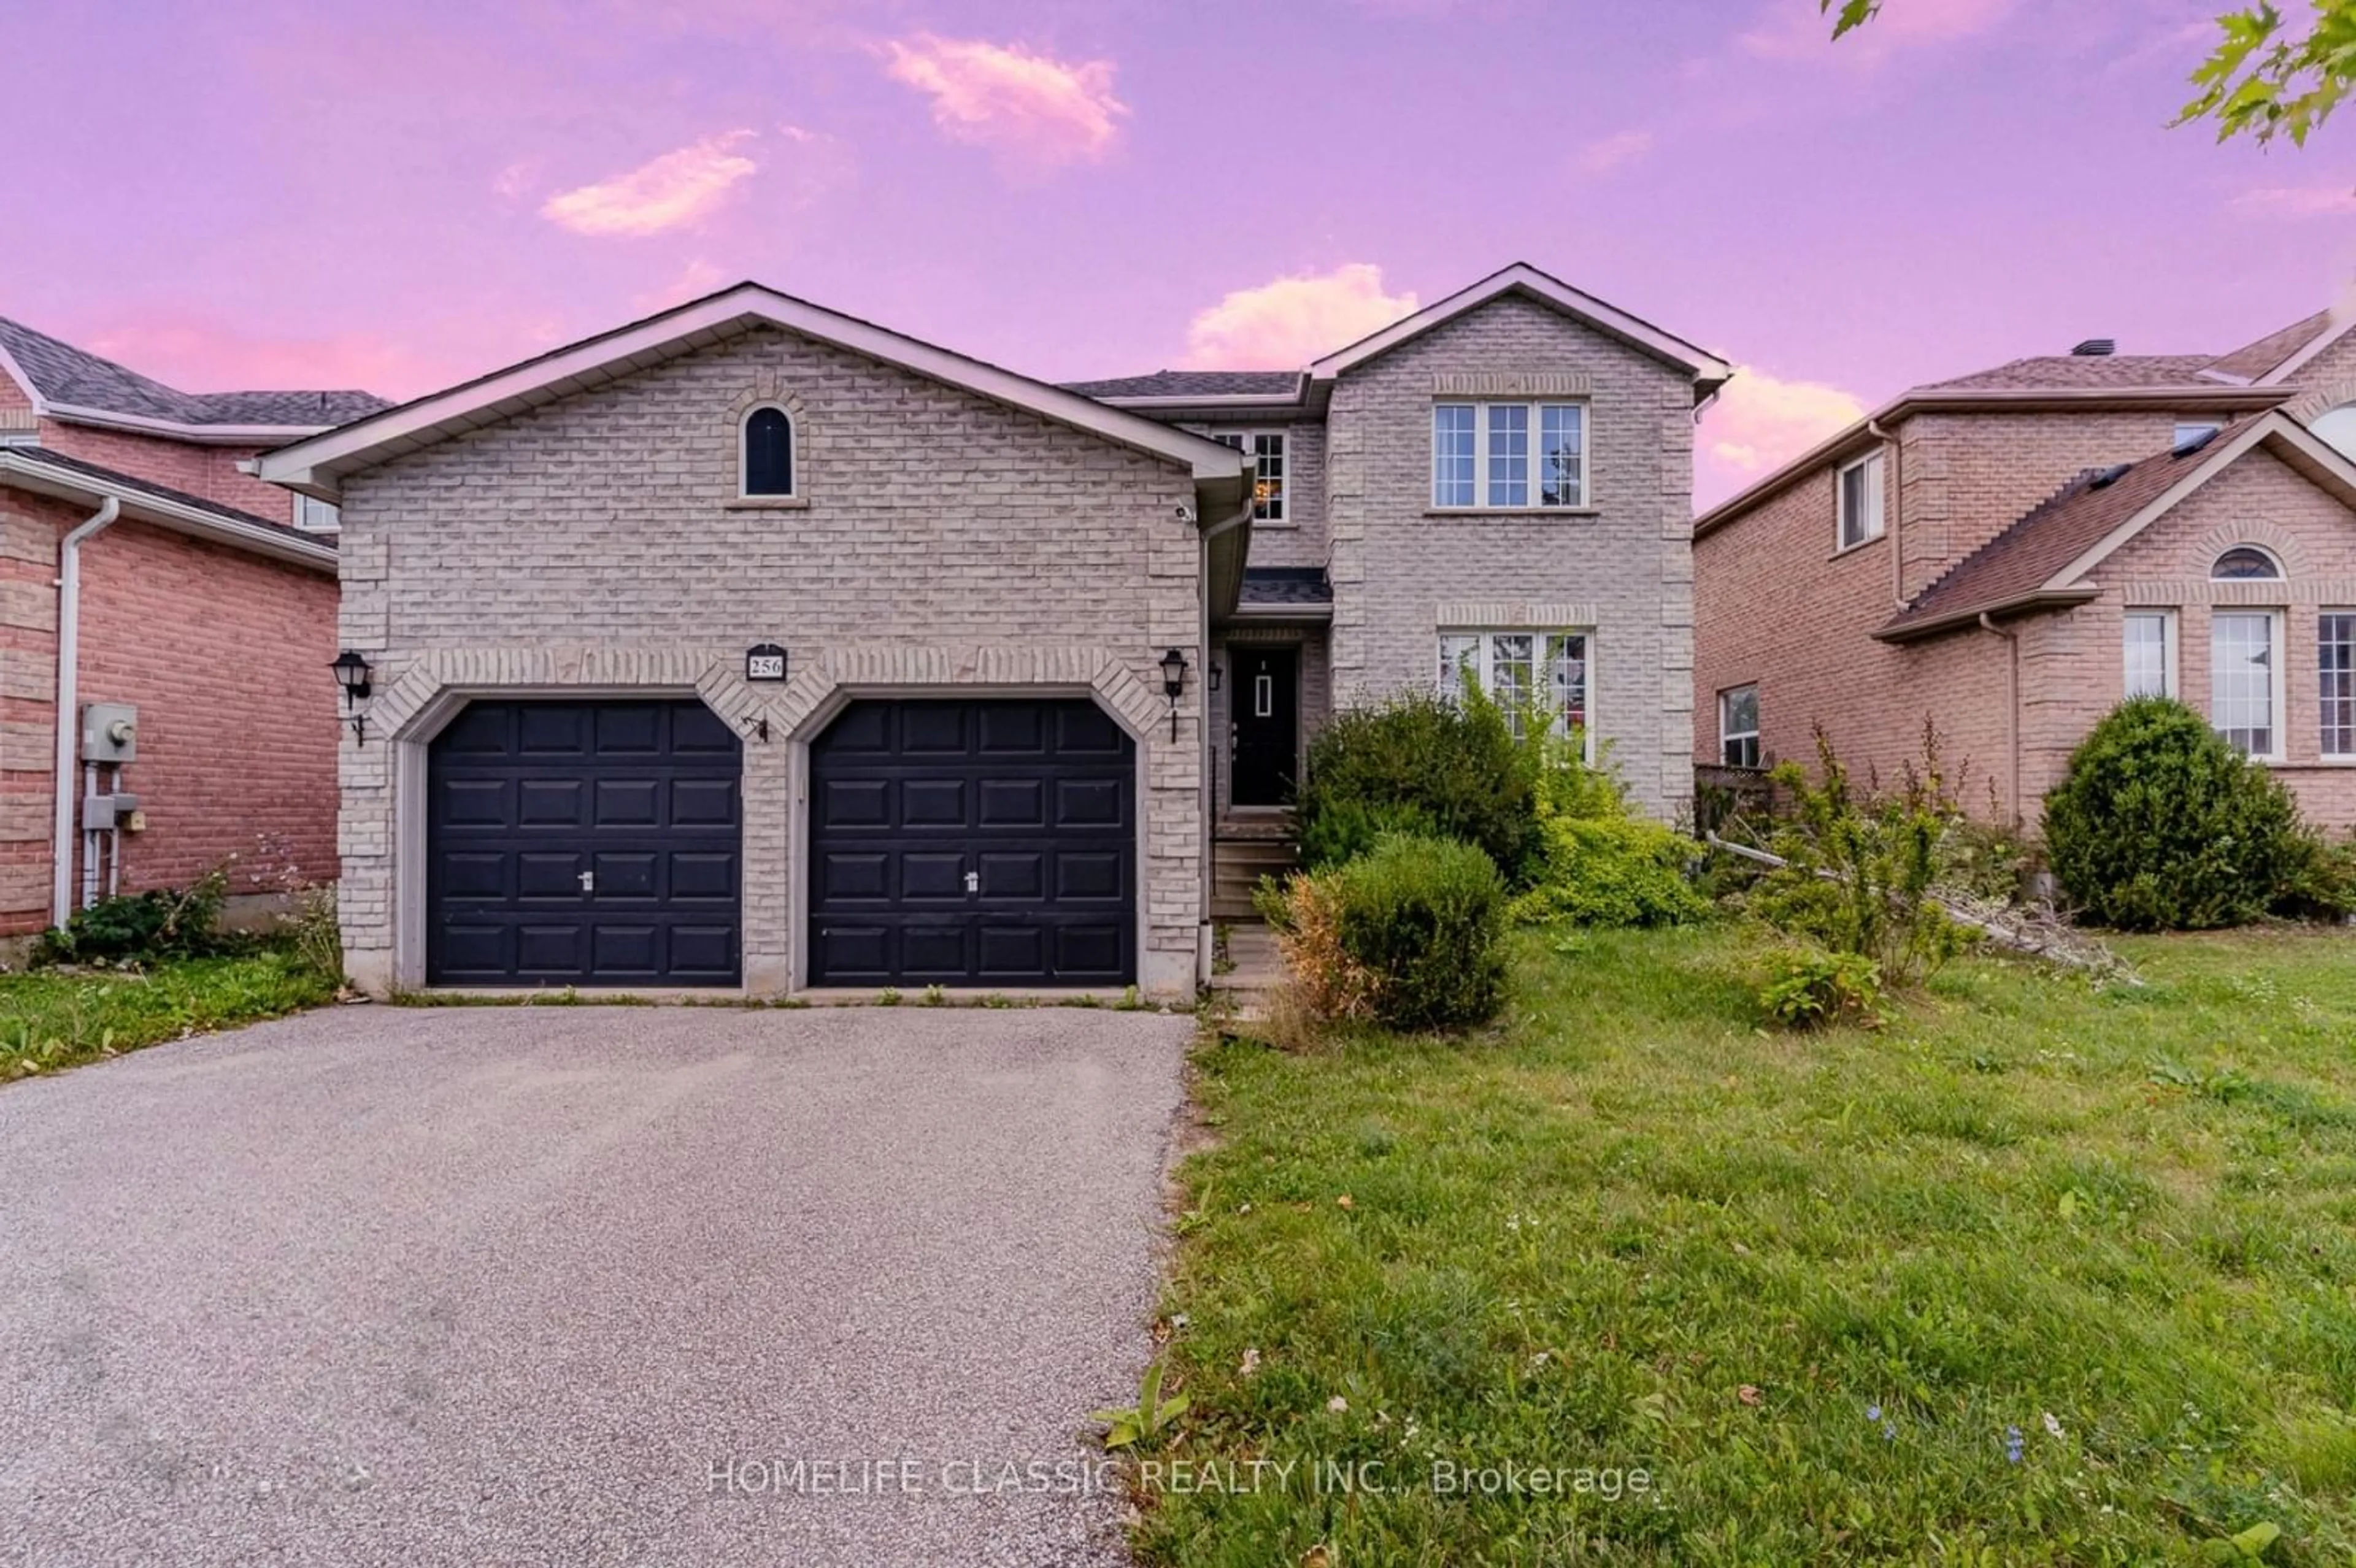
<point>396,195</point>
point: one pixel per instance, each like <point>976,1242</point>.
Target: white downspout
<point>68,586</point>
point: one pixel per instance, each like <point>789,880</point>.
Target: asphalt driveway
<point>581,1286</point>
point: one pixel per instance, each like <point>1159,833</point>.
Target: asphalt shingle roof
<point>2081,372</point>
<point>1193,384</point>
<point>2255,359</point>
<point>64,374</point>
<point>1286,585</point>
<point>2050,536</point>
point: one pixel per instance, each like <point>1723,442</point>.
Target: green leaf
<point>2253,1542</point>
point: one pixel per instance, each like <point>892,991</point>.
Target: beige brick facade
<point>593,544</point>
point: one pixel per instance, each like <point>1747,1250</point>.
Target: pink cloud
<point>199,353</point>
<point>1012,99</point>
<point>1799,30</point>
<point>1761,421</point>
<point>694,280</point>
<point>2327,200</point>
<point>672,191</point>
<point>1601,157</point>
<point>1291,321</point>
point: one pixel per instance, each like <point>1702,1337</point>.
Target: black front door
<point>1266,701</point>
<point>973,843</point>
<point>583,844</point>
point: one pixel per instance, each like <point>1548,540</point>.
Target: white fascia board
<point>2332,332</point>
<point>1523,278</point>
<point>314,465</point>
<point>23,467</point>
<point>213,434</point>
<point>2272,427</point>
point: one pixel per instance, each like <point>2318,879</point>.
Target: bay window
<point>2150,644</point>
<point>2244,664</point>
<point>2335,648</point>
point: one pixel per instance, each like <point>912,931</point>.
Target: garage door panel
<point>525,797</point>
<point>932,803</point>
<point>1032,797</point>
<point>629,802</point>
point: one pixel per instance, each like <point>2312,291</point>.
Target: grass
<point>50,1020</point>
<point>1809,1285</point>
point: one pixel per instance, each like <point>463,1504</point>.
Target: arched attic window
<point>767,460</point>
<point>2245,563</point>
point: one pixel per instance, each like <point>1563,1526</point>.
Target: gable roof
<point>72,384</point>
<point>65,478</point>
<point>317,465</point>
<point>1709,372</point>
<point>2044,557</point>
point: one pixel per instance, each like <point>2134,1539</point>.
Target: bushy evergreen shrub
<point>2161,824</point>
<point>1407,935</point>
<point>1448,768</point>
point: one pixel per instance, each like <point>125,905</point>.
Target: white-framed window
<point>767,460</point>
<point>1737,726</point>
<point>2148,639</point>
<point>1518,669</point>
<point>1509,456</point>
<point>314,516</point>
<point>2246,563</point>
<point>2191,429</point>
<point>1860,487</point>
<point>2246,679</point>
<point>1266,447</point>
<point>2335,648</point>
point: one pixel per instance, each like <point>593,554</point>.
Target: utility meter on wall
<point>110,733</point>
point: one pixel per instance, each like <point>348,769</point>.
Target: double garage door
<point>960,842</point>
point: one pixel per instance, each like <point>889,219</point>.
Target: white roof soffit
<point>314,466</point>
<point>21,468</point>
<point>1521,278</point>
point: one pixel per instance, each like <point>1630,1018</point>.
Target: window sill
<point>1867,543</point>
<point>1513,511</point>
<point>767,504</point>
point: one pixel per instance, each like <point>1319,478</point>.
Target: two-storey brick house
<point>2007,554</point>
<point>143,571</point>
<point>752,646</point>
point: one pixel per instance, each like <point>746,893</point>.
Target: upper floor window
<point>314,516</point>
<point>2245,563</point>
<point>768,456</point>
<point>1267,448</point>
<point>1737,726</point>
<point>1509,456</point>
<point>1860,501</point>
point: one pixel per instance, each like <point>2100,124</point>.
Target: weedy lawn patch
<point>51,1018</point>
<point>2039,1272</point>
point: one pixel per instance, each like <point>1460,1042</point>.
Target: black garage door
<point>583,844</point>
<point>981,843</point>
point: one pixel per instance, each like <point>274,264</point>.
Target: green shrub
<point>138,928</point>
<point>1345,829</point>
<point>1453,769</point>
<point>1807,987</point>
<point>2321,884</point>
<point>2161,824</point>
<point>1615,871</point>
<point>1406,936</point>
<point>1861,865</point>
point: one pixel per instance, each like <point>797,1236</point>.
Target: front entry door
<point>1267,724</point>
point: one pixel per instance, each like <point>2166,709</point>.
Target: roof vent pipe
<point>2095,348</point>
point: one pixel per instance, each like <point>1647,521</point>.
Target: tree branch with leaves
<point>2266,77</point>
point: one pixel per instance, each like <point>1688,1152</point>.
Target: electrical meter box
<point>110,733</point>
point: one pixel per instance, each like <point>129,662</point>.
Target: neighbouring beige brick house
<point>756,646</point>
<point>2008,554</point>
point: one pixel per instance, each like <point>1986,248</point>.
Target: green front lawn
<point>1811,1286</point>
<point>50,1020</point>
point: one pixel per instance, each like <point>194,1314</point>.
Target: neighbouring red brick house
<point>196,595</point>
<point>2008,554</point>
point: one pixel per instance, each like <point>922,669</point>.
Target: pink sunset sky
<point>265,192</point>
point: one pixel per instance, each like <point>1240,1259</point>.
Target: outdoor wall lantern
<point>352,674</point>
<point>1174,682</point>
